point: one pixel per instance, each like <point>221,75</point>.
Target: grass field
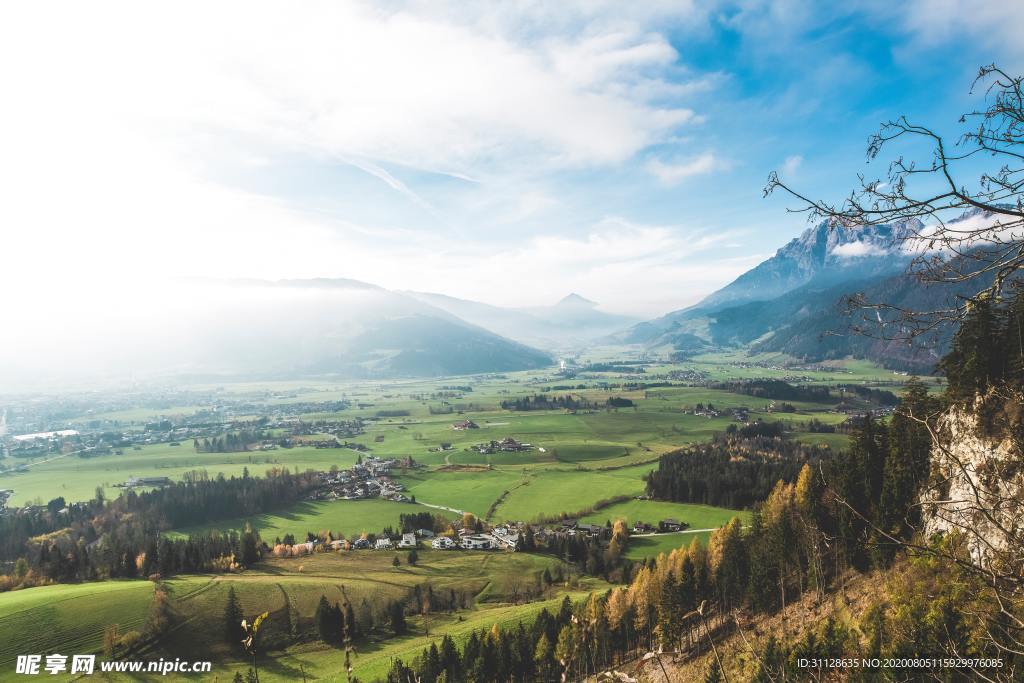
<point>349,517</point>
<point>651,511</point>
<point>552,492</point>
<point>68,618</point>
<point>71,619</point>
<point>77,478</point>
<point>643,547</point>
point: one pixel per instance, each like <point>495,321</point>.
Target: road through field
<point>441,507</point>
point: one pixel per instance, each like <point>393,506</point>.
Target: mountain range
<point>791,303</point>
<point>797,301</point>
<point>567,325</point>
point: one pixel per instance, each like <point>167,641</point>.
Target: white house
<point>383,544</point>
<point>476,542</point>
<point>508,541</point>
<point>442,543</point>
<point>408,541</point>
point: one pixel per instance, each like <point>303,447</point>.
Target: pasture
<point>76,478</point>
<point>350,518</point>
<point>652,511</point>
<point>72,618</point>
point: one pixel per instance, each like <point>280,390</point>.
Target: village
<point>368,478</point>
<point>472,534</point>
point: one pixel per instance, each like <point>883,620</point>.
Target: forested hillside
<point>822,524</point>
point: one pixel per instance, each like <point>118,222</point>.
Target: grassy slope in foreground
<point>70,619</point>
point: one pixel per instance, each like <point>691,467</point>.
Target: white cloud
<point>118,112</point>
<point>115,123</point>
<point>673,173</point>
<point>792,164</point>
<point>857,249</point>
<point>993,25</point>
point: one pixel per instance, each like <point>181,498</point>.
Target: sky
<point>509,153</point>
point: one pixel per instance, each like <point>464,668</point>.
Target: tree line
<point>776,389</point>
<point>549,402</point>
<point>125,537</point>
<point>231,442</point>
<point>734,470</point>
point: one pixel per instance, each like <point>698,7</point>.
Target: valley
<point>582,465</point>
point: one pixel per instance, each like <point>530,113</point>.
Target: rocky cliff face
<point>824,254</point>
<point>978,489</point>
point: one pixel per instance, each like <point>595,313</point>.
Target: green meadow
<point>578,461</point>
<point>76,478</point>
<point>350,518</point>
<point>72,618</point>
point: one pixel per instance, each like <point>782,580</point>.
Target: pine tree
<point>906,466</point>
<point>351,627</point>
<point>322,618</point>
<point>396,617</point>
<point>250,548</point>
<point>232,619</point>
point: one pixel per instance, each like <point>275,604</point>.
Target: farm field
<point>77,478</point>
<point>651,511</point>
<point>644,547</point>
<point>349,517</point>
<point>553,492</point>
<point>408,417</point>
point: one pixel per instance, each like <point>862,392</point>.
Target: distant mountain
<point>579,318</point>
<point>823,256</point>
<point>426,346</point>
<point>575,299</point>
<point>572,322</point>
<point>257,329</point>
<point>353,328</point>
<point>508,322</point>
<point>795,302</point>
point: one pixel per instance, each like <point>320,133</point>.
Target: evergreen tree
<point>324,619</point>
<point>233,619</point>
<point>714,674</point>
<point>396,617</point>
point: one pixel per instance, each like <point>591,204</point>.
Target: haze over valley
<point>391,341</point>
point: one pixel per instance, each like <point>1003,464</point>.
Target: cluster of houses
<point>368,478</point>
<point>504,537</point>
<point>463,425</point>
<point>136,482</point>
<point>664,526</point>
<point>508,444</point>
<point>709,411</point>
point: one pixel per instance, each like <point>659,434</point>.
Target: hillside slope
<point>572,322</point>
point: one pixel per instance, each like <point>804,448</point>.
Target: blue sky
<point>509,153</point>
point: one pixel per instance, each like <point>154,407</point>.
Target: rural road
<point>669,533</point>
<point>56,457</point>
<point>441,507</point>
